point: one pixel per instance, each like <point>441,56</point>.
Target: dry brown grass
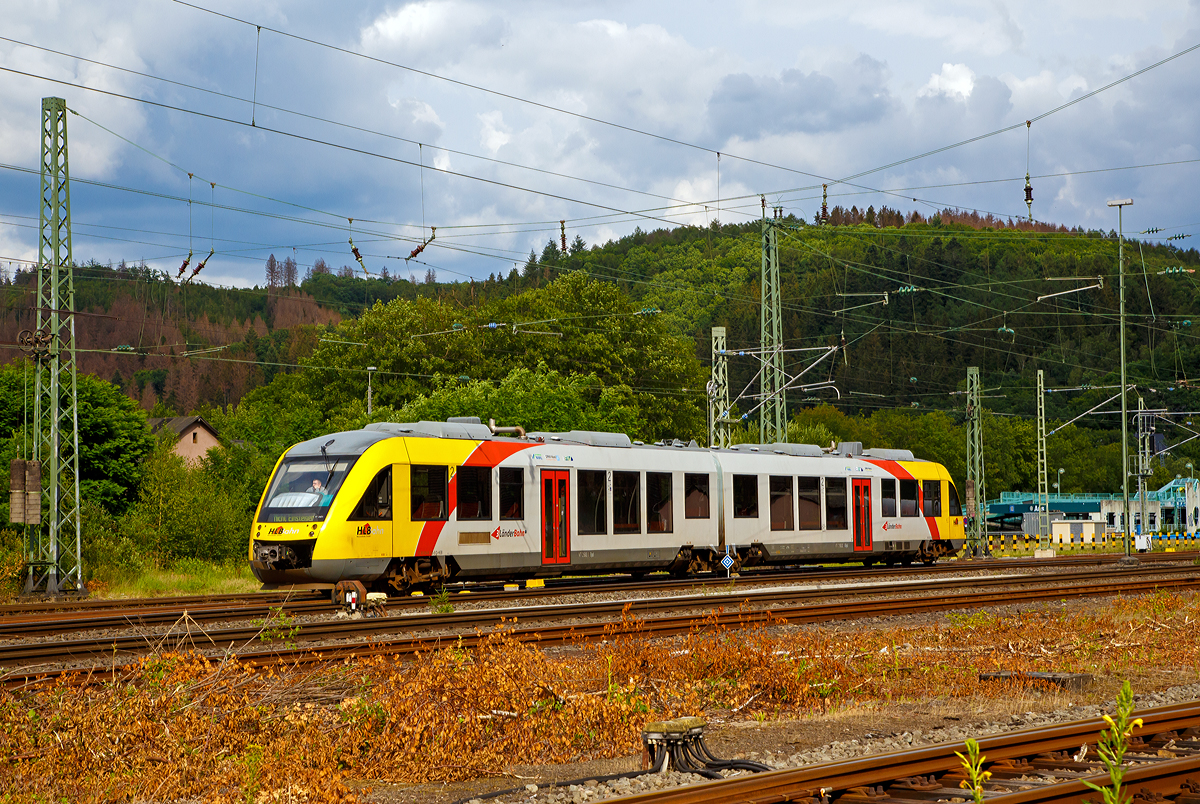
<point>183,726</point>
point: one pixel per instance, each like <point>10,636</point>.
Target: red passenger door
<point>556,531</point>
<point>862,515</point>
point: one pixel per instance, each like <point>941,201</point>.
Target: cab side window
<point>376,502</point>
<point>955,507</point>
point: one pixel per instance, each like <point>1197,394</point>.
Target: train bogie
<point>406,505</point>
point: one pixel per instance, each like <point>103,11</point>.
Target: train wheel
<point>906,561</point>
<point>868,562</point>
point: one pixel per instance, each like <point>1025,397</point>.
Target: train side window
<point>591,506</point>
<point>660,503</point>
<point>952,500</point>
<point>932,492</point>
<point>782,507</point>
<point>745,496</point>
<point>835,503</point>
<point>428,493</point>
<point>808,498</point>
<point>376,502</point>
<point>474,486</point>
<point>627,502</point>
<point>695,496</point>
<point>512,493</point>
<point>908,498</point>
<point>887,497</point>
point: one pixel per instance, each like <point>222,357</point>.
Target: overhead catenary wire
<point>673,140</point>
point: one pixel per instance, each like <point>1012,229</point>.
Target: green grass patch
<point>184,577</point>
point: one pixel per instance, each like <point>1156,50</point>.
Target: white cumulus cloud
<point>955,80</point>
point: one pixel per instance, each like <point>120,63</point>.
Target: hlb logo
<point>508,533</point>
<point>364,530</point>
<point>276,531</point>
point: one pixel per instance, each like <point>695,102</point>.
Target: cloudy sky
<point>606,115</point>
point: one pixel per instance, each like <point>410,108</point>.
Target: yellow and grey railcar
<point>408,505</point>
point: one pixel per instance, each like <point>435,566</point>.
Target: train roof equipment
<point>471,428</point>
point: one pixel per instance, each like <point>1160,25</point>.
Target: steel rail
<point>830,779</point>
<point>20,619</point>
<point>21,655</point>
<point>491,617</point>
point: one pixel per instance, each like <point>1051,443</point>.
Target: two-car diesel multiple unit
<point>412,505</point>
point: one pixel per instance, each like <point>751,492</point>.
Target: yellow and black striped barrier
<point>1100,543</point>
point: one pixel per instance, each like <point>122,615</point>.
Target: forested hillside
<point>617,337</point>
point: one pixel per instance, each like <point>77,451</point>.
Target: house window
<point>745,496</point>
<point>474,485</point>
<point>195,437</point>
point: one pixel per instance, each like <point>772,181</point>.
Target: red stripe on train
<point>899,471</point>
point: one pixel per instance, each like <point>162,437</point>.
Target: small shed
<point>194,436</point>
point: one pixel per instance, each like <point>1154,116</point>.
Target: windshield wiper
<point>329,469</point>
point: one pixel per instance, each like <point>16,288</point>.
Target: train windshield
<point>303,489</point>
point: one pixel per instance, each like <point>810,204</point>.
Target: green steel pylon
<point>976,504</point>
<point>718,393</point>
<point>1043,504</point>
<point>53,548</point>
<point>772,419</point>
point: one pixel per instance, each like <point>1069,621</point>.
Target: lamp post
<point>1060,480</point>
<point>1120,204</point>
<point>1189,468</point>
<point>370,370</point>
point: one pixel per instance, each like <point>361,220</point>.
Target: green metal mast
<point>53,550</point>
<point>1043,511</point>
<point>772,420</point>
<point>976,504</point>
<point>718,392</point>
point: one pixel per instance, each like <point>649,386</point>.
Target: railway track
<point>1032,766</point>
<point>65,617</point>
<point>660,617</point>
